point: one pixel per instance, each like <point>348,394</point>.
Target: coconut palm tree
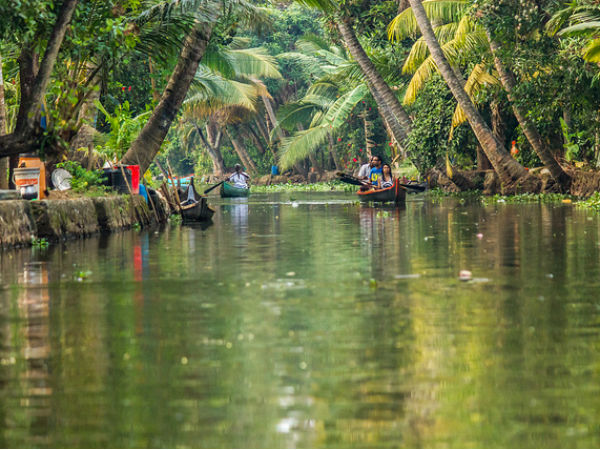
<point>333,73</point>
<point>144,149</point>
<point>459,34</point>
<point>512,175</point>
<point>224,94</point>
<point>392,111</point>
<point>578,19</point>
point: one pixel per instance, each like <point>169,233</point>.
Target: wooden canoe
<point>414,187</point>
<point>395,193</point>
<point>228,190</point>
<point>196,212</point>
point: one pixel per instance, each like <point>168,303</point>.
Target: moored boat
<point>229,190</point>
<point>396,193</point>
<point>414,187</point>
<point>196,212</point>
<point>195,208</point>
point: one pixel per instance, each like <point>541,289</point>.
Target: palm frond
<point>329,6</point>
<point>426,70</point>
<point>309,64</point>
<point>559,20</point>
<point>292,114</point>
<point>591,52</point>
<point>238,42</point>
<point>443,11</point>
<point>301,145</point>
<point>581,29</point>
<point>252,62</point>
<point>322,89</point>
<point>341,109</point>
<point>311,43</point>
<point>478,77</point>
<point>417,55</point>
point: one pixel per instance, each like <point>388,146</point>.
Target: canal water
<point>307,320</point>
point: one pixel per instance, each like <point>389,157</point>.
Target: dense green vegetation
<point>205,84</point>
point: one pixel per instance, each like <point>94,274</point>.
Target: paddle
<point>350,179</point>
<point>212,187</point>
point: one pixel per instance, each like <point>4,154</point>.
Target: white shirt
<point>364,171</point>
<point>239,180</point>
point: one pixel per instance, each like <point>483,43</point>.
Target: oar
<point>350,179</point>
<point>212,187</point>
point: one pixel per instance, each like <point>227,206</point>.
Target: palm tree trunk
<point>242,152</point>
<point>145,147</point>
<point>333,153</point>
<point>531,132</point>
<point>272,116</point>
<point>383,91</point>
<point>253,135</point>
<point>510,172</point>
<point>213,150</point>
<point>402,5</point>
<point>3,131</point>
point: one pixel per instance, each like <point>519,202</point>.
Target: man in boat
<point>365,170</point>
<point>376,170</point>
<point>372,181</point>
<point>239,178</point>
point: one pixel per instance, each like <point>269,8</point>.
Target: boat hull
<point>197,212</point>
<point>415,188</point>
<point>395,193</point>
<point>228,191</point>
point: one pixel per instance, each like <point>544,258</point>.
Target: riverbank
<point>23,222</point>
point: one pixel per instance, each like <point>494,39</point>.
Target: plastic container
<point>135,178</point>
<point>31,161</point>
<point>114,179</point>
<point>27,181</point>
<point>274,170</point>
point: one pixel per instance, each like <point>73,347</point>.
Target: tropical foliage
<point>305,84</point>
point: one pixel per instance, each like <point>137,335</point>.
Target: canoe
<point>197,211</point>
<point>195,208</point>
<point>228,190</point>
<point>414,187</point>
<point>396,193</point>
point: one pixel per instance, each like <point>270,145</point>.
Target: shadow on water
<point>309,321</point>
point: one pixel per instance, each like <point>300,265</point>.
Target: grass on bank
<point>325,186</point>
<point>438,193</point>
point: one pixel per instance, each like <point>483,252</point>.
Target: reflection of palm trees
<point>33,303</point>
<point>379,236</point>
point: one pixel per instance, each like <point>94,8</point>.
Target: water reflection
<point>319,324</point>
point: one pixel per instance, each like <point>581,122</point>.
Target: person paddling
<point>239,178</point>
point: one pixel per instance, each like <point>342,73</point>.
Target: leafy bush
<point>83,179</point>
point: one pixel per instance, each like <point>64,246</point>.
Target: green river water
<point>307,320</point>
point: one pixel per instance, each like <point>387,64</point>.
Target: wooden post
<point>174,188</point>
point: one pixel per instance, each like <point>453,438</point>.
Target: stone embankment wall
<point>22,220</point>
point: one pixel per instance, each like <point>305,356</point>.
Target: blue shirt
<point>374,175</point>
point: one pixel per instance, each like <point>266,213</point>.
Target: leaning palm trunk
<point>383,94</point>
<point>242,152</point>
<point>333,154</point>
<point>512,175</point>
<point>531,133</point>
<point>144,149</point>
<point>212,144</point>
